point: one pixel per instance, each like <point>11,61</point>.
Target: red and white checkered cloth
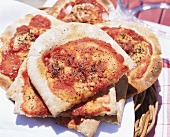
<point>162,124</point>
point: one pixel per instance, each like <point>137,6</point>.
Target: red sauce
<point>20,43</point>
<point>115,33</point>
<point>98,8</point>
<point>22,47</point>
<point>81,69</point>
<point>127,39</point>
<point>23,29</point>
<point>33,104</point>
<point>39,21</point>
<point>10,64</point>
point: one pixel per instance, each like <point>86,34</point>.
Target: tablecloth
<point>162,124</point>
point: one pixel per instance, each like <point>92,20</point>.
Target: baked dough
<point>27,101</point>
<point>142,53</point>
<point>59,37</point>
<point>14,44</point>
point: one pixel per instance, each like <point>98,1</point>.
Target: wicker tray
<point>146,108</point>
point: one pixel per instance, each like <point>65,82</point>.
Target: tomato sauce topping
<point>20,43</point>
<point>39,21</point>
<point>135,45</point>
<point>85,11</point>
<point>33,104</point>
<point>78,62</point>
<point>10,64</point>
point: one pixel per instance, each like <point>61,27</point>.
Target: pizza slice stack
<point>28,102</point>
<point>75,67</point>
<point>136,40</point>
<point>29,98</point>
<point>106,106</point>
<point>75,72</point>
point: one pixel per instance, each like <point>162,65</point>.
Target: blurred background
<point>157,11</point>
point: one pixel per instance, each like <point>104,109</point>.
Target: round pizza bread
<point>143,47</point>
<point>72,62</point>
<point>84,11</point>
<point>15,42</point>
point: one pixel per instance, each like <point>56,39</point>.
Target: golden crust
<point>5,82</point>
<point>155,65</point>
<point>149,77</point>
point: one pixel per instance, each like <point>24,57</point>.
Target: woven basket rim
<point>149,101</point>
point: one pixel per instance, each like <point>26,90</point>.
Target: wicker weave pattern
<point>146,108</point>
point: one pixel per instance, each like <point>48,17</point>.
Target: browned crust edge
<point>154,68</point>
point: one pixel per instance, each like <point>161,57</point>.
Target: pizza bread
<point>108,102</point>
<point>96,107</point>
<point>16,40</point>
<point>143,47</point>
<point>29,103</point>
<point>27,100</point>
<point>84,11</point>
<point>72,62</point>
<point>102,103</point>
<point>93,122</point>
